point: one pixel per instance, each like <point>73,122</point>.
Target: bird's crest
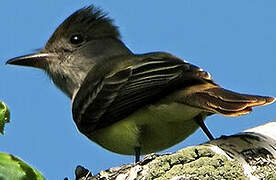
<point>90,21</point>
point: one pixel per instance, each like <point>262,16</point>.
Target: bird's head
<point>84,38</point>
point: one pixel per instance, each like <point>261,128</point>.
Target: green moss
<point>267,171</point>
<point>195,163</point>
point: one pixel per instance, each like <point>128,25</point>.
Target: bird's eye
<point>76,39</point>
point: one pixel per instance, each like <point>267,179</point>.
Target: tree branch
<point>248,155</point>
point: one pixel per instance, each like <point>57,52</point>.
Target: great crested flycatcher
<point>130,103</point>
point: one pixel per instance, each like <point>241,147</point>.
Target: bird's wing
<point>108,95</point>
<point>113,90</point>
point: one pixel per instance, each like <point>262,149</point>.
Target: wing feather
<point>113,90</point>
<point>140,82</point>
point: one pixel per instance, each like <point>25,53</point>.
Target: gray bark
<point>248,155</point>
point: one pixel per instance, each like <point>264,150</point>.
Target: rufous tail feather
<point>225,102</point>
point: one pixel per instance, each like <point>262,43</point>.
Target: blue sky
<point>234,40</point>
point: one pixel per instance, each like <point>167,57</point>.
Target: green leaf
<point>4,116</point>
<point>12,167</point>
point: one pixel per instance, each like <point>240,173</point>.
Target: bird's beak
<point>38,60</point>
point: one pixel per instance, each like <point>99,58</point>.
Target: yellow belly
<point>152,128</point>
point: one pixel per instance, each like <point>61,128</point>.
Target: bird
<point>131,104</point>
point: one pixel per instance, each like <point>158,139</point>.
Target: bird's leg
<point>200,122</point>
<point>137,153</point>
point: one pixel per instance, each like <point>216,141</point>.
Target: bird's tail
<point>225,102</point>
